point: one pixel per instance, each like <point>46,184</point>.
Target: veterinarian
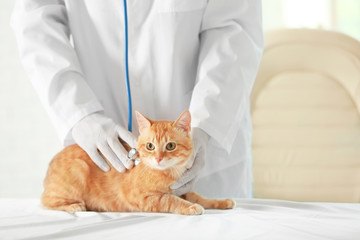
<point>201,55</point>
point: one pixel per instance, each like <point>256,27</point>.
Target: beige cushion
<point>306,117</point>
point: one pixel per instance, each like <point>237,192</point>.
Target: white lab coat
<point>201,55</point>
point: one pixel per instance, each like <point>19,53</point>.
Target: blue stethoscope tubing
<point>127,69</point>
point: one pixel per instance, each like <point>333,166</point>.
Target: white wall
<point>271,20</point>
<point>27,138</point>
<point>336,15</point>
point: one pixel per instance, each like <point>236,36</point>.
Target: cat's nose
<point>158,159</point>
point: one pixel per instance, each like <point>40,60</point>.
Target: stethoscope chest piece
<point>134,156</point>
<point>132,153</point>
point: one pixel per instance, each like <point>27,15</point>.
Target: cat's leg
<point>169,203</point>
<point>62,204</point>
<point>208,203</point>
<point>63,190</point>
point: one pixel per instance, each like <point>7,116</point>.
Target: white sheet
<point>251,219</point>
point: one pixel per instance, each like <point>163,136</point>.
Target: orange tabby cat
<point>74,183</point>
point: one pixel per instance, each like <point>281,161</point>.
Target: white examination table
<point>251,219</point>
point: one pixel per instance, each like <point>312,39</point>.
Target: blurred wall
<point>335,15</point>
<point>27,138</point>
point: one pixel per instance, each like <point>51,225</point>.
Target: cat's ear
<point>184,121</point>
<point>143,122</point>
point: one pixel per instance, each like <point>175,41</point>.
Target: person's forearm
<point>231,49</point>
<point>43,35</point>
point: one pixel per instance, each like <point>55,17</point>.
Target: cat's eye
<point>170,146</point>
<point>150,146</point>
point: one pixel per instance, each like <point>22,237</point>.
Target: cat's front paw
<point>229,203</point>
<point>194,209</point>
<point>72,208</point>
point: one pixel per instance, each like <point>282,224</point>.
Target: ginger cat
<point>74,183</point>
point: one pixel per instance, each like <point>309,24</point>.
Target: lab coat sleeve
<point>43,35</point>
<point>230,52</point>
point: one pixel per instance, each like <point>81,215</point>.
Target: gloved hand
<point>187,180</point>
<point>98,132</point>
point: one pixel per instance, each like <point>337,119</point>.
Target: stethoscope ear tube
<point>127,69</point>
<point>133,152</point>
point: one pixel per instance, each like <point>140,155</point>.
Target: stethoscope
<point>133,151</point>
<point>127,69</point>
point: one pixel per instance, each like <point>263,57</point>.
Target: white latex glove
<point>188,179</point>
<point>95,133</point>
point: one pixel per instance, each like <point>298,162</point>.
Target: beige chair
<point>306,117</point>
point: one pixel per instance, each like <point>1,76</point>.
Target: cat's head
<point>165,144</point>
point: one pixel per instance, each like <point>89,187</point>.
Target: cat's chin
<point>159,167</point>
<point>175,170</point>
